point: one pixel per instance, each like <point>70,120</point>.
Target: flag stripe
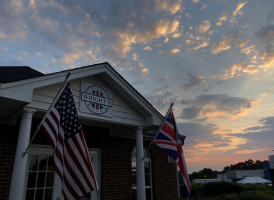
<point>78,165</point>
<point>71,159</point>
<point>81,165</point>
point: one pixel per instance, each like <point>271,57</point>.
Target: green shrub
<point>218,188</point>
<point>257,195</point>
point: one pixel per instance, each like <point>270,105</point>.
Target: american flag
<point>72,162</point>
<point>168,139</point>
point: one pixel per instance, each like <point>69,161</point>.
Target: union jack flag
<point>168,139</point>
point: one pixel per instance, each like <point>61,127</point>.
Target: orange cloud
<point>144,72</point>
<point>268,60</point>
<point>172,7</point>
<point>172,51</point>
<point>204,27</point>
<point>232,72</point>
<point>220,46</point>
<point>202,45</point>
<point>250,69</point>
<point>227,42</point>
<point>70,58</point>
<point>249,50</point>
<point>238,11</point>
<point>221,20</point>
<point>249,151</point>
<point>148,48</point>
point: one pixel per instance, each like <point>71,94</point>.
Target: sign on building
<point>95,99</point>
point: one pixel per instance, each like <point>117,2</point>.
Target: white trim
<point>46,150</point>
<point>23,90</point>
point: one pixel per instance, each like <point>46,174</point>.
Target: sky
<point>214,59</point>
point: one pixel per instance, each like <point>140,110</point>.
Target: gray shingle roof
<point>16,73</point>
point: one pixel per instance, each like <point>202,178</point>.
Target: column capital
<point>139,129</point>
<point>30,110</point>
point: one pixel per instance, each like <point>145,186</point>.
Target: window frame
<point>46,150</point>
<point>146,160</point>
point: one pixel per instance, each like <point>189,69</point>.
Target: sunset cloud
<point>163,99</point>
<point>172,52</point>
<point>171,6</point>
<point>193,81</point>
<point>221,19</point>
<point>228,42</point>
<point>210,106</point>
<point>148,48</point>
<point>232,72</point>
<point>249,50</point>
<point>204,27</point>
<point>248,151</point>
<point>238,10</point>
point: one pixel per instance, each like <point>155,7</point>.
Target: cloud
<point>238,10</point>
<point>249,50</point>
<point>266,37</point>
<point>193,81</point>
<point>250,69</point>
<point>204,27</point>
<point>44,25</point>
<point>228,42</point>
<point>162,78</point>
<point>162,99</point>
<point>135,56</point>
<point>204,7</point>
<point>144,72</point>
<point>172,52</point>
<point>116,28</point>
<point>195,1</point>
<point>201,45</point>
<point>249,151</point>
<point>172,6</point>
<point>231,72</point>
<point>148,48</point>
<point>221,19</point>
<point>210,106</point>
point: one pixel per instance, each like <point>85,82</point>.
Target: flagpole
<point>38,127</point>
<point>160,126</point>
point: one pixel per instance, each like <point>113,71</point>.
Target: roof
<point>21,91</point>
<point>16,73</point>
<point>253,180</point>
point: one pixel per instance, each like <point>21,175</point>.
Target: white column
<point>20,162</point>
<point>141,191</point>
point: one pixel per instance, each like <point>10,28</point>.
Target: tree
<point>203,174</point>
<point>247,165</point>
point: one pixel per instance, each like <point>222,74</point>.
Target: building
<point>236,175</point>
<point>116,119</point>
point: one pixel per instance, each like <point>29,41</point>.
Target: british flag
<point>168,139</point>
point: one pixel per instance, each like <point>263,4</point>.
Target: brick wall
<point>116,169</point>
<point>116,164</point>
<point>8,141</point>
<point>164,175</point>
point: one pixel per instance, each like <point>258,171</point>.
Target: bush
<point>196,189</point>
<point>229,191</point>
<point>214,189</point>
<point>257,195</point>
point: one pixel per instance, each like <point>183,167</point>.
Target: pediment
<point>120,103</point>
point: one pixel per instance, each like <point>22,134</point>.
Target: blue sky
<point>213,59</point>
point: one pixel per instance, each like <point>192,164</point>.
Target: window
<point>43,183</point>
<point>40,174</point>
<point>147,166</point>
